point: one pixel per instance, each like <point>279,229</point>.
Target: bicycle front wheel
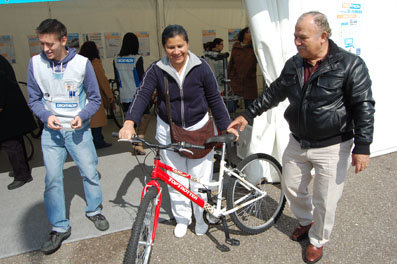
<point>264,172</point>
<point>140,245</point>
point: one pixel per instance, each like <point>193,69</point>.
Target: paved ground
<point>365,232</point>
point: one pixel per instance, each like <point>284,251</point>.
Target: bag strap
<point>167,97</point>
<point>168,103</point>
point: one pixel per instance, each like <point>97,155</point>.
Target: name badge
<point>70,88</point>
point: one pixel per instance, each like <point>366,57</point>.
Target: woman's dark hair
<point>172,31</point>
<point>208,46</point>
<point>130,45</point>
<point>89,50</point>
<point>52,26</point>
<point>241,34</point>
<point>217,41</point>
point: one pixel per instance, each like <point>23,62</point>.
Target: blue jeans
<point>55,146</point>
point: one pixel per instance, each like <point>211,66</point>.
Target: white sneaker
<point>180,230</point>
<point>201,229</point>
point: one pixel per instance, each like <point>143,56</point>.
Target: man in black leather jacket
<point>331,105</point>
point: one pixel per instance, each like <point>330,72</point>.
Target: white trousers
<point>198,168</point>
<point>330,169</point>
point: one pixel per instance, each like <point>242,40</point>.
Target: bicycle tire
<point>39,130</point>
<point>28,145</point>
<point>116,110</point>
<point>259,216</point>
<point>139,248</point>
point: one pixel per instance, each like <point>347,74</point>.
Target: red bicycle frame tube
<point>159,173</point>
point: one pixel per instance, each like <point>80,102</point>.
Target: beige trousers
<point>330,168</point>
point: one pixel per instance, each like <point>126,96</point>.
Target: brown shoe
<point>300,232</point>
<point>313,254</point>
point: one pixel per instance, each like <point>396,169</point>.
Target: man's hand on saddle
<point>239,123</point>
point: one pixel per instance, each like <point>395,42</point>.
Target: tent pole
<point>160,24</point>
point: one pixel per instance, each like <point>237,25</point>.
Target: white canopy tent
<point>272,25</point>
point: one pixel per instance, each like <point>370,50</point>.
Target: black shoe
<point>100,221</point>
<point>54,241</point>
<point>16,184</point>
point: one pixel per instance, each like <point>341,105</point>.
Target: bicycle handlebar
<point>180,146</point>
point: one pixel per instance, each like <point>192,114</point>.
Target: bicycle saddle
<point>226,138</point>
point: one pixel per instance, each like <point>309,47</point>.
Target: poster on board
<point>7,48</point>
<point>34,45</point>
<point>232,36</point>
<point>208,35</point>
<point>349,19</point>
<point>112,43</point>
<point>144,42</point>
<point>74,41</point>
<point>97,38</point>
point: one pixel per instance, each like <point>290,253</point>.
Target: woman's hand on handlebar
<point>127,130</point>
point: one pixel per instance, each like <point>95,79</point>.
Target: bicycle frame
<point>160,173</point>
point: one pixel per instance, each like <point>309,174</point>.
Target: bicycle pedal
<point>233,242</point>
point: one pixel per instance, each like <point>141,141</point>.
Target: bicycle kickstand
<point>228,240</point>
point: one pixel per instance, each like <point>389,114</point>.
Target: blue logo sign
<point>125,60</point>
<point>66,105</point>
<point>349,43</point>
<point>3,2</point>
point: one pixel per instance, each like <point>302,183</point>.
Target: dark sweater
<point>189,101</point>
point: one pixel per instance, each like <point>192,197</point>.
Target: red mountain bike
<point>254,198</point>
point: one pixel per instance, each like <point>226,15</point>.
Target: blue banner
<point>4,2</point>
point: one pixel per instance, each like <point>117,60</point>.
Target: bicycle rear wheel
<point>117,109</point>
<point>39,130</point>
<point>28,147</point>
<point>260,170</point>
<point>140,245</point>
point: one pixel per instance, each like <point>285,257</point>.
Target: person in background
<point>64,94</point>
<point>217,45</point>
<point>207,46</point>
<point>128,71</point>
<point>215,63</point>
<point>242,68</point>
<point>16,119</point>
<point>99,119</point>
<point>192,91</point>
<point>331,108</point>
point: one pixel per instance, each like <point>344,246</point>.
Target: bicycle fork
<point>157,204</point>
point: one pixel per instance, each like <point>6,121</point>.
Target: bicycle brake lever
<point>186,150</point>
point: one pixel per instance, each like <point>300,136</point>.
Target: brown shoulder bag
<point>195,137</point>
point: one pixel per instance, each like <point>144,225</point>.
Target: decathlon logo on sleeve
<point>125,60</point>
<point>66,105</point>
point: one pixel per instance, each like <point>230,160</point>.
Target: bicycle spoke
<point>140,245</point>
<point>257,216</point>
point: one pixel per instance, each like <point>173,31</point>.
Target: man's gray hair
<point>320,20</point>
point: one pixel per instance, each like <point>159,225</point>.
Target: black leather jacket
<point>334,105</point>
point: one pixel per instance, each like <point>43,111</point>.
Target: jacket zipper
<point>182,104</point>
<point>319,71</point>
